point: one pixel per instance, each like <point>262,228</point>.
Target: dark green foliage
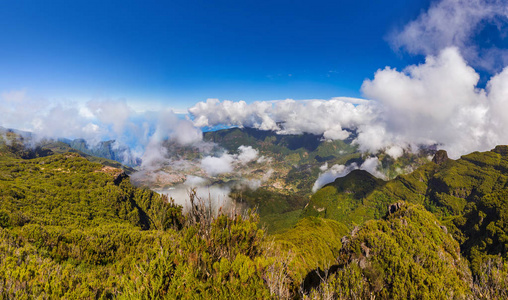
<point>469,195</point>
<point>460,192</point>
<point>407,255</point>
<point>344,199</point>
<point>485,225</point>
<point>78,230</point>
<point>314,242</point>
<point>277,211</point>
<point>73,229</point>
<point>5,219</point>
<point>68,190</point>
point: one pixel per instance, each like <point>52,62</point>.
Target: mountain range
<point>74,228</point>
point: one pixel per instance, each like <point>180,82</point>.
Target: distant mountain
<point>301,149</point>
<point>278,184</point>
<point>16,144</point>
<point>297,162</point>
<point>105,149</point>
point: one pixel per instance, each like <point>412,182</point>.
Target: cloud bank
<point>436,102</point>
<point>214,196</point>
<point>327,117</point>
<point>97,121</point>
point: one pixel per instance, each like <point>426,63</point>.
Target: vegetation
<point>295,166</point>
<point>468,195</point>
<point>72,228</point>
<point>406,255</point>
<point>75,229</point>
<point>277,211</point>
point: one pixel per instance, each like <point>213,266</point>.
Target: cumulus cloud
<point>247,154</point>
<point>458,23</point>
<point>437,102</point>
<point>226,162</point>
<point>217,165</point>
<point>326,117</point>
<point>395,151</point>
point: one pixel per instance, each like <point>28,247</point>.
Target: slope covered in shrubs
<point>71,228</point>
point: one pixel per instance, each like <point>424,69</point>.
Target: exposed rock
<point>440,157</point>
<point>365,249</point>
<point>362,263</point>
<point>118,174</point>
<point>354,231</point>
<point>392,208</point>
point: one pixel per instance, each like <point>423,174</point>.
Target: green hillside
<point>405,255</point>
<point>296,162</point>
<point>468,195</point>
<point>74,229</point>
<point>70,228</point>
<point>300,149</point>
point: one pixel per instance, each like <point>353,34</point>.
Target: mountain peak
<point>440,157</point>
<point>501,149</point>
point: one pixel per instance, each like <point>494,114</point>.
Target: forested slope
<point>71,228</point>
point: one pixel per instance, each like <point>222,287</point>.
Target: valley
<point>358,235</point>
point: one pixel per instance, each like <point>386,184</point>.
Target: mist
<point>439,101</point>
<point>140,132</point>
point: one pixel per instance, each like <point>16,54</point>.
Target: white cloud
<point>247,154</point>
<point>215,196</point>
<point>218,165</point>
<point>226,162</point>
<point>97,121</point>
<point>437,102</point>
<point>372,165</point>
<point>327,117</point>
<point>395,152</point>
<point>195,181</point>
<point>456,23</point>
<point>333,173</point>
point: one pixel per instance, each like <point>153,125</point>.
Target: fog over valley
<point>254,149</point>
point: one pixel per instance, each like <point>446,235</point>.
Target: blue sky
<point>177,53</point>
